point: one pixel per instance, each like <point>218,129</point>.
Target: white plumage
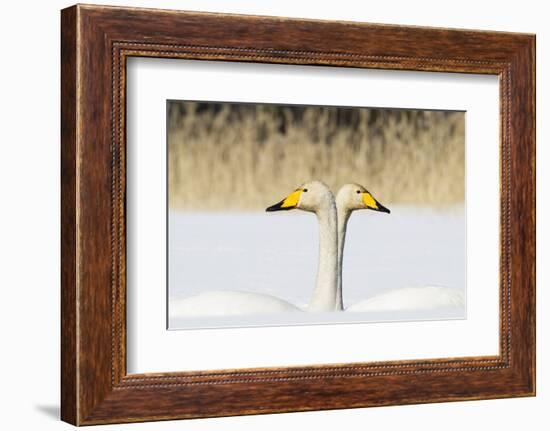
<point>411,298</point>
<point>352,197</point>
<point>314,197</point>
<point>229,303</point>
<point>332,216</point>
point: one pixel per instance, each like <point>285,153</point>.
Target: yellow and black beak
<point>288,203</point>
<point>373,204</point>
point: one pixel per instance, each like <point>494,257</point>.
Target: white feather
<point>411,298</point>
<point>349,199</point>
<point>228,303</point>
<point>315,197</point>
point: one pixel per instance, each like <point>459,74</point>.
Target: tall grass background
<point>225,156</point>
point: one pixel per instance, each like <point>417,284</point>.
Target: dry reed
<point>245,157</point>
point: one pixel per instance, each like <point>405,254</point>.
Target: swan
<point>228,303</point>
<point>317,198</point>
<point>352,197</point>
<point>313,196</point>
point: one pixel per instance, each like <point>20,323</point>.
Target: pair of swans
<point>332,215</point>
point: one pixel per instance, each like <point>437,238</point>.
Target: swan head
<point>311,196</point>
<point>353,197</point>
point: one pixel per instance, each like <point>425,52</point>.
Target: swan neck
<point>343,217</point>
<point>326,296</point>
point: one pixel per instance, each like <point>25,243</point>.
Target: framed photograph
<point>266,215</point>
<point>220,159</point>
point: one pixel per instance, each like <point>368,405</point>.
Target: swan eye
<point>305,190</point>
<point>358,191</point>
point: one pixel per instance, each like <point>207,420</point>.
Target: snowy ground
<point>277,254</point>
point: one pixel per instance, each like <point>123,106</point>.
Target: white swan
<point>315,197</point>
<point>352,197</point>
<point>228,303</point>
<point>412,298</point>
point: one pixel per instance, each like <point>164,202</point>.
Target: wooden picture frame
<point>95,43</point>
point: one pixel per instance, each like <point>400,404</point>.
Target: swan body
<point>352,197</point>
<point>313,196</point>
<point>229,303</point>
<point>411,298</point>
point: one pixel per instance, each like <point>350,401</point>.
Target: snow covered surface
<point>276,254</point>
